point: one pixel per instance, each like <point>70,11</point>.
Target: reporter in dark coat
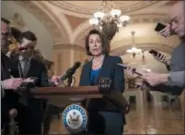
<point>24,66</point>
<point>104,117</point>
<point>9,97</point>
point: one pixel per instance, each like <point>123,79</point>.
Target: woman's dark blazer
<point>111,70</point>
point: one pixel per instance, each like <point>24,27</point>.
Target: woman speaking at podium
<point>104,117</point>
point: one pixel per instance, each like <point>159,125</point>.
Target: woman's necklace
<point>97,63</point>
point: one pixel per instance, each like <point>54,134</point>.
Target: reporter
<point>9,98</point>
<point>177,17</point>
<point>32,70</point>
<point>177,23</point>
<point>176,26</point>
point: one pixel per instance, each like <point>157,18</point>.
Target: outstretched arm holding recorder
<point>168,83</point>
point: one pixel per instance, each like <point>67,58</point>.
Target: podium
<point>62,96</point>
<point>65,96</point>
<point>68,95</point>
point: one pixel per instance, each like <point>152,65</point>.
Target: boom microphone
<point>70,71</point>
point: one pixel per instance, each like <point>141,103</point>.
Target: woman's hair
<point>104,42</point>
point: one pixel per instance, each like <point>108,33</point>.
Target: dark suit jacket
<point>5,71</point>
<point>5,67</point>
<point>5,74</point>
<point>38,70</point>
<point>111,70</point>
<point>8,97</point>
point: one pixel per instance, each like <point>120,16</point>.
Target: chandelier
<point>134,51</point>
<point>109,19</point>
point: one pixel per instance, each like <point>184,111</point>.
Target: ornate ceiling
<point>88,7</point>
<point>67,21</point>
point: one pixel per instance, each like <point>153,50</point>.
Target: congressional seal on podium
<point>75,118</point>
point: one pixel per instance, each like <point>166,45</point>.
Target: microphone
<point>70,71</point>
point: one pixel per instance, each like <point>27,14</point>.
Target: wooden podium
<point>64,96</point>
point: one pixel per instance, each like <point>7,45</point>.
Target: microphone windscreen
<point>77,64</point>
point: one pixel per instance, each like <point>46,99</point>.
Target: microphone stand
<point>50,109</point>
<point>69,81</point>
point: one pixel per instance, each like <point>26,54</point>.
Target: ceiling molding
<point>144,46</point>
<point>75,21</point>
<point>57,35</point>
<point>67,6</point>
<point>68,46</point>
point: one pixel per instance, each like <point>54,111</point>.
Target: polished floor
<point>148,120</point>
<point>158,120</point>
